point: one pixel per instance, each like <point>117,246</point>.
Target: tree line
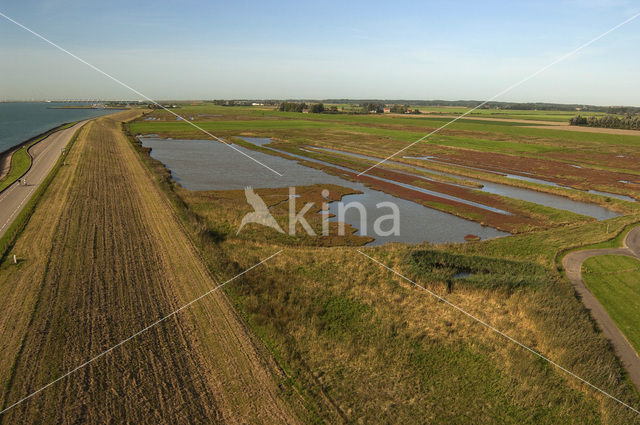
<point>628,122</point>
<point>315,108</point>
<point>292,106</point>
<point>541,106</point>
<point>378,108</point>
<point>364,108</point>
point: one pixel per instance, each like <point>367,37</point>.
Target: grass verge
<point>615,281</point>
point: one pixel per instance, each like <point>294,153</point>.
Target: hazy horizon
<point>372,50</point>
<point>255,99</point>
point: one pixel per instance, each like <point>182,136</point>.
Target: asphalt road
<point>572,263</point>
<point>45,154</point>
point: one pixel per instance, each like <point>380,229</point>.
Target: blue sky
<point>292,49</point>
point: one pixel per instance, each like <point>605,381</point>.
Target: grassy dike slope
<point>103,257</point>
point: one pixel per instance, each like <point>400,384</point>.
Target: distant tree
<point>619,110</point>
<point>292,107</point>
<point>399,109</point>
<point>578,120</point>
<point>629,121</point>
<point>372,107</point>
<point>317,108</point>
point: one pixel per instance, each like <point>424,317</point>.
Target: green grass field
<point>615,281</point>
<point>20,162</point>
<point>533,115</point>
<point>404,129</point>
<point>556,116</point>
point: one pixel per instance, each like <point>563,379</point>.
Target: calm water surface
<point>20,121</point>
<point>207,165</point>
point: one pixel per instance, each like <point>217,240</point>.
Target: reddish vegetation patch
<point>618,160</point>
<point>508,223</point>
<point>558,172</point>
<point>519,221</point>
<point>524,218</point>
<point>449,189</point>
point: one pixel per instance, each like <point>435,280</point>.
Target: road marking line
<point>11,188</point>
<point>12,216</point>
<point>490,327</point>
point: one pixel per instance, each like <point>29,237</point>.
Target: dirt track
<point>482,118</point>
<point>572,263</point>
<point>102,258</point>
<point>619,131</point>
<point>549,125</point>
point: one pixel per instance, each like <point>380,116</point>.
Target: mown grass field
<point>615,281</point>
<point>533,115</point>
<point>102,257</point>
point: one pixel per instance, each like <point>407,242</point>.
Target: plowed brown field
<point>103,257</point>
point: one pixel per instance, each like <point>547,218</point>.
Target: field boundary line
<point>499,332</point>
<point>508,89</point>
<point>128,87</point>
<point>124,341</point>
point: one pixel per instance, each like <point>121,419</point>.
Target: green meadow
<point>396,128</point>
<point>615,281</point>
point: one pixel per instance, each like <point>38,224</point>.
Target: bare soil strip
<point>109,257</point>
<point>477,118</point>
<point>572,263</point>
<point>619,131</point>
